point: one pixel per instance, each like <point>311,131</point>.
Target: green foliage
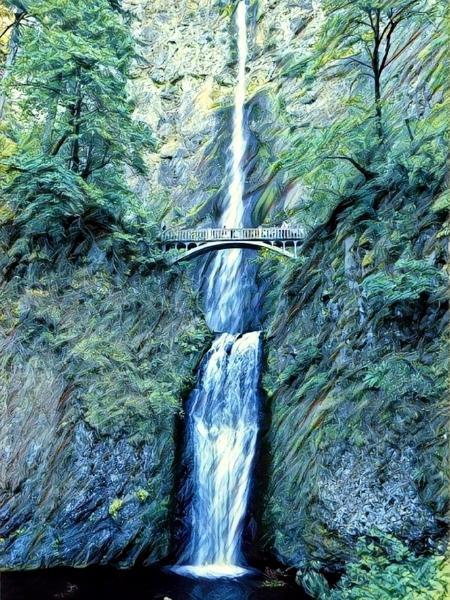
<point>375,108</point>
<point>73,70</point>
<point>351,29</point>
<point>386,568</point>
<point>74,131</point>
<point>407,280</point>
<point>115,507</point>
<point>142,495</point>
<point>397,377</point>
<point>98,346</point>
<point>6,20</point>
<point>89,318</point>
<point>357,362</point>
<point>119,341</point>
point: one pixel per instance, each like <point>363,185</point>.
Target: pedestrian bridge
<point>195,242</point>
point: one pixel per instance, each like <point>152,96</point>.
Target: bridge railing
<point>235,233</point>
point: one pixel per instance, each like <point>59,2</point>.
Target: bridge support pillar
<point>295,249</point>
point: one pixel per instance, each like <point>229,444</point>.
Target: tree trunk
<point>377,69</point>
<point>13,48</point>
<point>52,111</point>
<point>378,110</point>
<point>76,113</point>
<point>48,127</point>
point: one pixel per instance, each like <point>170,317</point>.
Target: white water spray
<point>223,410</point>
<point>222,428</point>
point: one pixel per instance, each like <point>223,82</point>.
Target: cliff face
<point>94,369</point>
<point>184,89</point>
<point>356,376</point>
<point>354,372</point>
<point>183,83</point>
<point>96,365</point>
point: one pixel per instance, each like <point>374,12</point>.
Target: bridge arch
<point>196,242</point>
<point>228,244</point>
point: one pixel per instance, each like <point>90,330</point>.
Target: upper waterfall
<point>224,299</point>
<point>234,212</point>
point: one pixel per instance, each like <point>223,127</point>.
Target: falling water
<point>234,212</point>
<point>223,427</point>
<point>223,410</point>
<point>223,300</point>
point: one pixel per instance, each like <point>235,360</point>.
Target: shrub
<point>386,569</point>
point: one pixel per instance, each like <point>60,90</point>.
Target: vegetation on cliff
<point>357,365</point>
<point>99,340</point>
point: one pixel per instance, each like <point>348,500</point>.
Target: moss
<point>142,495</point>
<point>386,568</point>
<point>102,360</point>
<point>356,368</point>
<point>115,507</point>
<point>127,355</point>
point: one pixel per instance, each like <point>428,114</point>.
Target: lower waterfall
<point>223,418</point>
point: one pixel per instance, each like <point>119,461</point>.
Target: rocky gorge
<point>101,342</point>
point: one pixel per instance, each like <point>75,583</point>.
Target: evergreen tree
<point>76,131</point>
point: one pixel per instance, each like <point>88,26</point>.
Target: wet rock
<point>364,493</point>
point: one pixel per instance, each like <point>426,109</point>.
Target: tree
<point>12,16</point>
<point>371,35</point>
<point>76,132</point>
<point>73,71</point>
<point>379,69</point>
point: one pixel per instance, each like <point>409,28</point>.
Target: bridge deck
<point>196,242</point>
<point>263,234</point>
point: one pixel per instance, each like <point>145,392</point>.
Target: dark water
<point>102,583</point>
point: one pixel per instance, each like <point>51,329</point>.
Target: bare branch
<point>16,21</point>
<point>387,29</point>
<point>403,48</point>
<point>396,16</point>
<point>367,174</point>
<point>357,60</point>
<point>7,29</point>
<point>388,46</point>
<point>58,145</point>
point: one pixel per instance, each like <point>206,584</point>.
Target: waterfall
<point>224,310</point>
<point>222,430</point>
<point>234,212</point>
<point>223,410</point>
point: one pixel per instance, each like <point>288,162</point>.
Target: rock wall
<point>184,89</point>
<point>355,376</point>
<point>184,83</point>
<point>93,376</point>
<point>337,471</point>
<point>94,370</point>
